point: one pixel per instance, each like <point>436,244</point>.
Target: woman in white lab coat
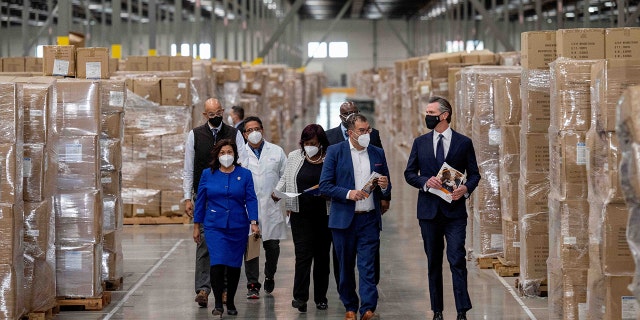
<point>266,161</point>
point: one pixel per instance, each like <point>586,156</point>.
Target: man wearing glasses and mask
<point>197,157</point>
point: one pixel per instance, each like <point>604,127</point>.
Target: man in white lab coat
<point>266,162</point>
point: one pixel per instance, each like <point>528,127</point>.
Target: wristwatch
<point>254,222</point>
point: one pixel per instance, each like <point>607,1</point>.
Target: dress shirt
<point>361,172</point>
<point>189,155</point>
<point>446,141</point>
<point>257,151</point>
<point>344,131</point>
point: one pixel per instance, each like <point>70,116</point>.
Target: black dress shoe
<point>301,305</point>
<point>437,315</point>
<point>462,316</point>
<point>232,312</point>
<point>322,306</point>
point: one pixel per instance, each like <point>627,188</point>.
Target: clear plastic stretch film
<point>112,258</point>
<point>79,216</point>
<point>628,130</point>
<point>11,291</point>
<point>78,108</point>
<point>11,113</point>
<point>78,269</point>
<point>39,101</point>
<point>609,79</point>
<point>11,184</point>
<point>78,162</point>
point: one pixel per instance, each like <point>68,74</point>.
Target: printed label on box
<point>93,70</point>
<point>105,180</point>
<point>73,152</point>
<point>73,261</point>
<point>495,137</point>
<point>175,207</point>
<point>26,168</point>
<point>60,67</point>
<point>497,241</point>
<point>139,211</point>
<point>182,85</point>
<point>581,153</point>
<point>570,240</point>
<point>35,113</point>
<point>33,233</point>
<point>116,98</point>
<point>516,244</point>
<point>629,307</point>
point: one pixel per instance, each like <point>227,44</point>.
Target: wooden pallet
<point>93,303</point>
<point>486,263</point>
<point>41,315</point>
<point>543,289</point>
<point>506,271</point>
<point>113,285</point>
<point>157,220</point>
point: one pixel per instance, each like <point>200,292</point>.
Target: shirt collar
<point>212,127</point>
<point>447,133</point>
<point>353,148</point>
<point>259,147</point>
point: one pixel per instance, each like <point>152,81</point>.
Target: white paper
<point>182,85</point>
<point>33,233</point>
<point>105,180</point>
<point>285,195</point>
<point>26,168</point>
<point>581,153</point>
<point>139,211</point>
<point>175,207</point>
<point>73,261</point>
<point>73,152</point>
<point>35,113</point>
<point>93,70</point>
<point>570,240</point>
<point>629,307</point>
<point>116,98</point>
<point>60,67</point>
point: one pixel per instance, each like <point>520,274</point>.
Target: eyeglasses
<point>363,131</point>
<point>218,113</point>
<point>252,129</point>
<point>346,114</point>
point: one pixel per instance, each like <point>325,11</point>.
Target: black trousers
<point>312,244</point>
<point>218,284</point>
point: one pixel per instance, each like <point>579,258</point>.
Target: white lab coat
<point>266,173</point>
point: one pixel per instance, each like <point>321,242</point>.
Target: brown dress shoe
<point>350,315</point>
<point>202,298</point>
<point>370,315</point>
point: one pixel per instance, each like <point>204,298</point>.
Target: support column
<point>225,30</point>
<point>116,29</point>
<point>375,44</point>
<point>152,27</point>
<point>25,25</point>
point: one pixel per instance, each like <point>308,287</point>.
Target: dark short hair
<point>239,111</point>
<point>445,106</point>
<point>252,118</point>
<point>311,131</point>
<point>215,163</point>
<point>351,120</point>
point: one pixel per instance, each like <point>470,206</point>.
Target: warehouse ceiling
<point>100,11</point>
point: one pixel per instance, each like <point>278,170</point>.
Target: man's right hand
<point>188,208</point>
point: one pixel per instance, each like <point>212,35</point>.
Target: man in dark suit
<point>339,134</point>
<point>355,217</point>
<point>440,220</point>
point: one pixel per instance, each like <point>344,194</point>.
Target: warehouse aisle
<point>159,271</point>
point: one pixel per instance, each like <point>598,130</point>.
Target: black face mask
<point>432,121</point>
<point>215,121</point>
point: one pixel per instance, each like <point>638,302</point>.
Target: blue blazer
<point>422,165</point>
<point>337,180</point>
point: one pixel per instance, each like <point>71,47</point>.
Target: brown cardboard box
<point>79,217</point>
<point>136,63</point>
<point>175,91</point>
<point>609,79</point>
<point>134,175</point>
<point>113,95</point>
<point>439,64</point>
<point>59,61</point>
<point>113,65</point>
<point>13,64</point>
<point>507,101</point>
<point>38,228</point>
<point>127,210</point>
<point>573,239</point>
<point>622,43</point>
<point>13,292</point>
<point>510,149</point>
<point>78,110</point>
<point>232,74</point>
<point>538,49</point>
<point>538,116</point>
<point>533,194</point>
<point>537,152</point>
<point>34,171</point>
<point>171,203</point>
<point>173,146</point>
<point>534,246</point>
<point>148,88</point>
<point>164,175</point>
<point>479,57</point>
<point>616,255</point>
<point>509,196</point>
<point>76,39</point>
<point>11,181</point>
<point>112,212</point>
<point>574,298</point>
<point>619,301</point>
<point>38,106</point>
<point>145,202</point>
<point>78,270</point>
<point>111,182</point>
<point>179,63</point>
<point>571,101</point>
<point>510,230</point>
<point>110,154</point>
<point>11,113</point>
<point>158,63</point>
<point>569,165</point>
<point>79,162</point>
<point>127,148</point>
<point>33,64</point>
<point>11,233</point>
<point>92,63</point>
<point>147,148</point>
<point>112,125</point>
<point>581,43</point>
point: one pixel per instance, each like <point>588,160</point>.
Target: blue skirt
<point>226,246</point>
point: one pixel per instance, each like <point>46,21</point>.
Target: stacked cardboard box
<point>112,104</point>
<point>508,108</point>
<point>40,171</point>
<point>78,200</point>
<point>537,51</point>
<point>11,203</point>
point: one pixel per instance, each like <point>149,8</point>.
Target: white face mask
<point>230,120</point>
<point>311,150</point>
<point>363,140</point>
<point>255,137</point>
<point>226,160</point>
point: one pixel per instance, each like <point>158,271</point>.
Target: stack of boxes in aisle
<point>40,174</point>
<point>78,200</point>
<point>538,50</point>
<point>629,139</point>
<point>11,203</point>
<point>508,110</point>
<point>488,238</point>
<point>112,100</point>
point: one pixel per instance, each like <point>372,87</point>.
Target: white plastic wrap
<point>78,269</point>
<point>79,217</point>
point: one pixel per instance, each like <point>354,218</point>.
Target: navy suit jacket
<point>337,179</point>
<point>336,135</point>
<point>422,165</point>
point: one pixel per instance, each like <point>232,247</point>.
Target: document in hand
<point>451,179</point>
<point>371,183</point>
<point>253,247</point>
<point>313,191</point>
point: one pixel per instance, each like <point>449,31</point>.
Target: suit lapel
<point>453,146</point>
<point>429,146</point>
<point>346,149</point>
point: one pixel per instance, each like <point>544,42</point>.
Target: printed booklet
<point>451,179</point>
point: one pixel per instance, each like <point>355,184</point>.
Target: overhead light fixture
<point>609,4</point>
<point>593,9</point>
<point>570,15</point>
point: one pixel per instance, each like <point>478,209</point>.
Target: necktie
<point>214,131</point>
<point>346,136</point>
<point>440,151</point>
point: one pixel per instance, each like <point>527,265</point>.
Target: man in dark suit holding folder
<point>440,220</point>
<point>355,217</point>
